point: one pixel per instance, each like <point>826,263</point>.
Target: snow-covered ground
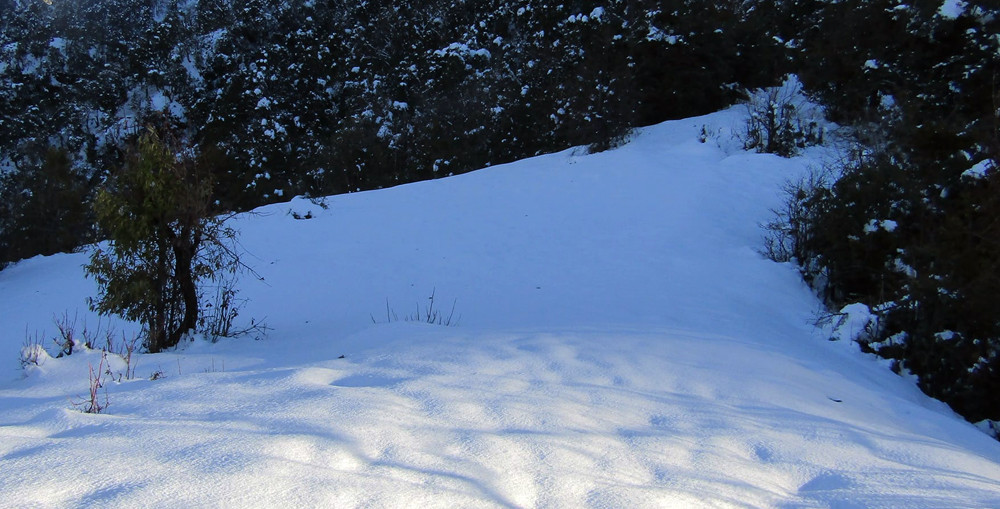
<point>621,343</point>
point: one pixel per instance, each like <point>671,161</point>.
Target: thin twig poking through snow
<point>428,315</point>
<point>93,404</point>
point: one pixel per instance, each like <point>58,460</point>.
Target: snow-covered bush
<point>32,352</point>
<point>853,323</point>
<point>781,120</point>
<point>610,141</point>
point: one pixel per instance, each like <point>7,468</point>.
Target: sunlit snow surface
<point>620,344</point>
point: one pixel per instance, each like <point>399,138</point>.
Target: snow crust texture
<point>621,343</point>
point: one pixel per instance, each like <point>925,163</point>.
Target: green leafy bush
<point>163,241</point>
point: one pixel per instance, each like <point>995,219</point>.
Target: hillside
<point>619,342</point>
<point>270,100</point>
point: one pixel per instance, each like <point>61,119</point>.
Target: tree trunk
<point>158,334</point>
<point>185,247</point>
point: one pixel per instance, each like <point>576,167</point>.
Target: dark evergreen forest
<point>319,97</point>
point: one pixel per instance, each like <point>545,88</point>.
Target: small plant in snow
<point>32,352</point>
<point>853,323</point>
<point>93,404</point>
<point>71,337</point>
<point>706,134</point>
<point>67,339</point>
<point>781,120</point>
<point>434,316</point>
<point>124,349</point>
<point>73,334</point>
<point>611,141</point>
<point>213,369</point>
<point>428,315</point>
<point>218,318</point>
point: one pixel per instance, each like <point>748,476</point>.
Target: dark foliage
<point>330,97</point>
<point>45,209</point>
<point>911,226</point>
<point>163,241</point>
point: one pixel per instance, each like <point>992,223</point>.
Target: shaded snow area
<point>619,343</point>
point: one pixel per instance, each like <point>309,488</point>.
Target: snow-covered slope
<point>620,344</point>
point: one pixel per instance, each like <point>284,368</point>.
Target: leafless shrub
<point>780,120</point>
<point>32,352</point>
<point>788,231</point>
<point>218,319</point>
<point>73,334</point>
<point>93,404</point>
<point>123,348</point>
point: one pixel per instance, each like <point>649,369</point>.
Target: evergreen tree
<point>162,241</point>
<point>45,209</point>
